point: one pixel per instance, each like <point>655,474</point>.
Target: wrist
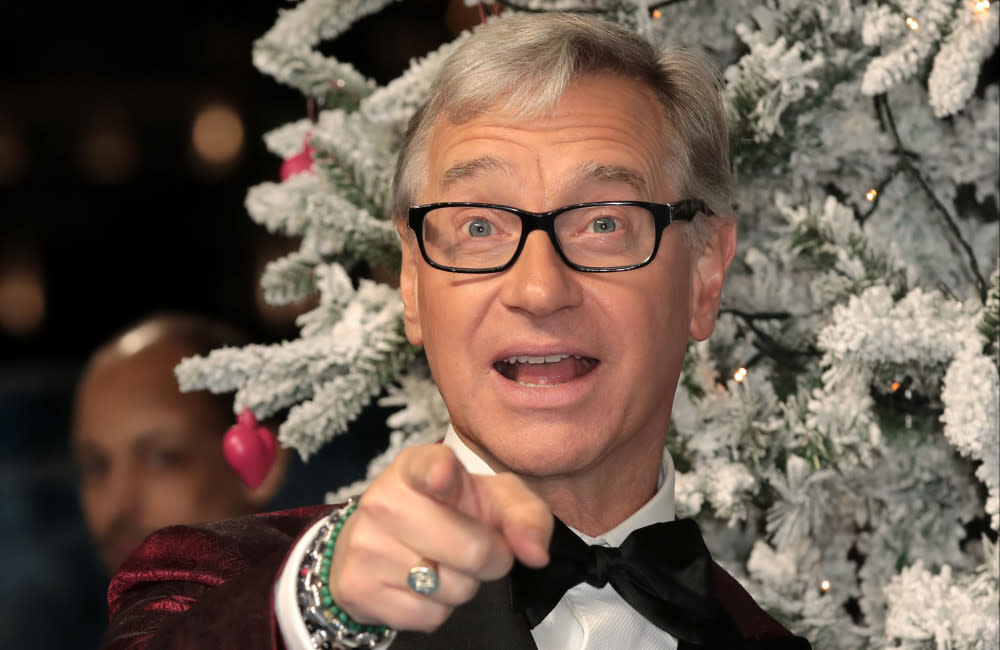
<point>330,627</point>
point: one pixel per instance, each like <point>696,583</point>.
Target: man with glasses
<point>563,199</point>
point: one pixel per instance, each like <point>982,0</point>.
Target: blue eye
<point>603,225</point>
<point>479,228</point>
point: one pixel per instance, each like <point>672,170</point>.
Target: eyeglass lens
<point>603,236</point>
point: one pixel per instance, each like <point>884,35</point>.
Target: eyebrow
<point>159,435</point>
<point>598,171</point>
<point>469,169</point>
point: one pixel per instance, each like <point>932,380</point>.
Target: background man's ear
<point>708,273</point>
<point>408,284</point>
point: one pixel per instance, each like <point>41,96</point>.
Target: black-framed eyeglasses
<point>600,237</point>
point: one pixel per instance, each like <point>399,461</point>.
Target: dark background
<point>165,232</point>
<point>95,236</point>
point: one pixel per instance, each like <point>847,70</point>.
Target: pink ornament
<point>250,449</point>
<point>300,162</point>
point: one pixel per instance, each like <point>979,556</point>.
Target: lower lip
<point>548,396</point>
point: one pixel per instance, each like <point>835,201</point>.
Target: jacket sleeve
<point>205,586</point>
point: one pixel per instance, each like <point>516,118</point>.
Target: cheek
<point>456,325</point>
<point>172,498</point>
<point>651,320</point>
<point>91,500</point>
<point>190,499</point>
<point>451,313</point>
<point>443,337</point>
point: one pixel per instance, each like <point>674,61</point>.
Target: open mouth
<point>547,371</point>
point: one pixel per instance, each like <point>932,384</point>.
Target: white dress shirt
<point>587,618</point>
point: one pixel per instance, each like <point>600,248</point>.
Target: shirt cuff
<point>286,606</point>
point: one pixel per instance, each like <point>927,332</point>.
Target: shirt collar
<point>472,463</point>
<point>658,509</point>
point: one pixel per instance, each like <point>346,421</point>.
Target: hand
<point>426,505</point>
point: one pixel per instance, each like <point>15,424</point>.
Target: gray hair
<point>525,63</point>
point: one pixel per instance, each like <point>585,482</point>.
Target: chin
<point>545,451</point>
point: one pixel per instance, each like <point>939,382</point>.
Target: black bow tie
<point>663,571</point>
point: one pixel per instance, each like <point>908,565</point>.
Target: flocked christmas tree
<point>837,437</point>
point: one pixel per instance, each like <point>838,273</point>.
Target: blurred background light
<point>217,137</point>
<point>107,151</point>
<point>13,153</point>
<point>22,296</point>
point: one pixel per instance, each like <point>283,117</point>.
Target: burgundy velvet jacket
<point>212,586</point>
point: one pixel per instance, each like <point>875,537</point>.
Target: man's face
<point>149,456</point>
<point>608,402</point>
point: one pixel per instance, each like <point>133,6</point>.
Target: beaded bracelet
<point>330,627</point>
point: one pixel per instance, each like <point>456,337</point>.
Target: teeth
<point>552,358</point>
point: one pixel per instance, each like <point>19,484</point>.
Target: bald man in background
<point>149,455</point>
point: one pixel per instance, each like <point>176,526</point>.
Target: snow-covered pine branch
<point>286,51</point>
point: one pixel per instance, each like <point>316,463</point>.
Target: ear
<point>261,496</point>
<point>709,266</point>
<point>408,283</point>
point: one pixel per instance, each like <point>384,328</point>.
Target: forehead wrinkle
<point>602,172</point>
<point>471,169</point>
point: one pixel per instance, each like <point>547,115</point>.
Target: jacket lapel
<point>487,622</point>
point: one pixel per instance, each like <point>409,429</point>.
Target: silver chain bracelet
<point>331,628</point>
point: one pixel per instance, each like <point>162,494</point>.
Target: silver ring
<point>423,577</point>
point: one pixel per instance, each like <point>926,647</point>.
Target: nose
<point>539,282</point>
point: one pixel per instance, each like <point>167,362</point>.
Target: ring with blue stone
<point>423,577</point>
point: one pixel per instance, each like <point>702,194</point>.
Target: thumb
<point>435,471</point>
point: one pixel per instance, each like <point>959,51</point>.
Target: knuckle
<point>476,553</point>
<point>355,549</point>
<point>377,504</point>
<point>428,621</point>
<point>465,590</point>
<point>503,566</point>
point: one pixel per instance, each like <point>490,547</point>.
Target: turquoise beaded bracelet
<point>330,627</point>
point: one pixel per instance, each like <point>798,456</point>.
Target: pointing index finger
<point>502,502</point>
